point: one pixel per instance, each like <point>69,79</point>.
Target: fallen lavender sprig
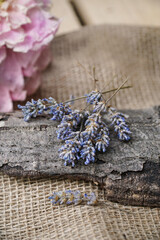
<point>83,133</point>
<point>69,197</point>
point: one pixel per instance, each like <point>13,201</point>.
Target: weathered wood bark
<point>130,172</point>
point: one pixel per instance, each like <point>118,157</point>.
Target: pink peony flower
<point>26,29</point>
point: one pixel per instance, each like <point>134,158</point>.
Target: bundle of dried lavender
<point>84,133</point>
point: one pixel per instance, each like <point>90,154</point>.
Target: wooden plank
<point>63,9</point>
<point>129,172</point>
<point>137,12</point>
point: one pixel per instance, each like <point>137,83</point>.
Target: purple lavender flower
<point>69,124</point>
<point>70,151</point>
<point>75,117</point>
<point>120,126</point>
<point>72,197</point>
<point>56,198</point>
<point>100,107</point>
<point>94,96</point>
<point>92,199</point>
<point>91,126</point>
<point>102,139</point>
<point>67,196</point>
<point>35,108</point>
<point>59,110</point>
<point>88,152</point>
<point>77,197</point>
<point>64,131</point>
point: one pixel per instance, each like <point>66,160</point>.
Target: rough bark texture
<point>130,172</point>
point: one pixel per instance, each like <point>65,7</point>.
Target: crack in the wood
<point>4,117</point>
<point>100,161</point>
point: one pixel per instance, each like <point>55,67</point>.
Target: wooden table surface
<point>76,13</point>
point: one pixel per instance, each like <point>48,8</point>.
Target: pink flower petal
<point>45,42</point>
<point>28,62</point>
<point>4,25</point>
<point>33,84</point>
<point>10,72</point>
<point>19,20</point>
<point>2,54</point>
<point>12,37</point>
<point>44,59</point>
<point>28,58</point>
<point>39,32</point>
<point>6,104</point>
<point>18,95</point>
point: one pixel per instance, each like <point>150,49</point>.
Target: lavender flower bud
<point>102,139</point>
<point>77,197</point>
<point>120,126</point>
<point>88,152</point>
<point>64,131</point>
<point>56,198</point>
<point>69,124</point>
<point>92,199</point>
<point>94,97</point>
<point>35,108</point>
<point>70,151</point>
<point>59,110</point>
<point>74,118</point>
<point>91,126</point>
<point>100,106</point>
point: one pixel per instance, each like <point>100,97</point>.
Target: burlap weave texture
<point>27,214</point>
<point>115,52</point>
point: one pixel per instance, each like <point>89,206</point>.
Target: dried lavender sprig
<point>92,126</point>
<point>70,151</point>
<point>88,152</point>
<point>118,89</point>
<point>35,108</point>
<point>94,96</point>
<point>100,107</point>
<point>118,121</point>
<point>59,110</point>
<point>97,132</point>
<point>103,92</point>
<point>102,140</point>
<point>69,124</point>
<point>69,197</point>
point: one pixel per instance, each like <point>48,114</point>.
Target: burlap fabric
<point>115,51</point>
